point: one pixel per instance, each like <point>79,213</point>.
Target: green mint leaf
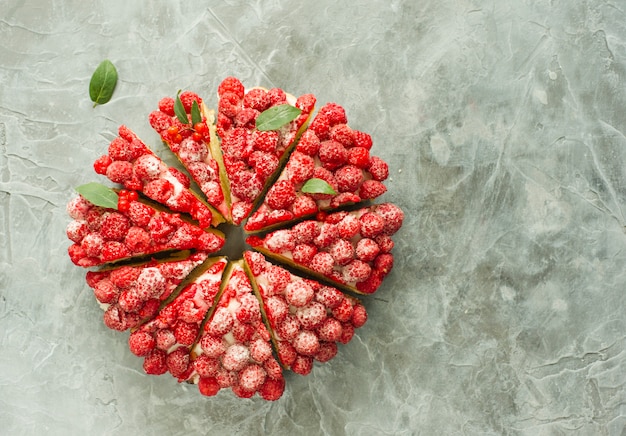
<point>196,116</point>
<point>98,194</point>
<point>102,83</point>
<point>179,110</point>
<point>276,117</point>
<point>318,186</point>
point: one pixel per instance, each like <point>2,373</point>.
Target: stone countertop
<point>503,123</point>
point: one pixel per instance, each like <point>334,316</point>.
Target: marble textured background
<point>504,125</point>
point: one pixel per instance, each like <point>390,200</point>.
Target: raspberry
<point>114,250</point>
<point>367,250</point>
<point>280,241</point>
<point>233,85</point>
<point>348,227</point>
<point>393,217</point>
<point>335,113</point>
<point>288,328</point>
<point>235,357</point>
<point>286,353</point>
<point>303,253</point>
<point>149,309</point>
<point>371,284</point>
<point>371,189</point>
<point>266,141</point>
<point>359,315</point>
<point>333,153</point>
<point>320,126</point>
<point>166,105</point>
<point>119,149</point>
<point>329,233</point>
<point>312,315</point>
<point>246,185</point>
<point>192,151</point>
<point>378,168</point>
<point>246,118</point>
<point>279,216</point>
<point>347,332</point>
<point>303,365</point>
<point>304,206</point>
<point>119,171</point>
<point>150,283</point>
<point>226,378</point>
<point>362,139</point>
<point>327,351</point>
<point>187,98</point>
<point>242,393</point>
<point>248,310</point>
<point>164,339</point>
<point>208,386</point>
<point>306,103</point>
<point>348,178</point>
<point>185,333</point>
<point>371,224</point>
<point>322,263</point>
<point>359,157</point>
<point>178,361</point>
<point>281,195</point>
<point>300,167</point>
<point>155,362</point>
<point>206,366</point>
<point>356,271</point>
<point>102,163</point>
<point>305,231</point>
<point>342,251</point>
<point>330,330</point>
<point>124,276</point>
<point>78,207</point>
<point>159,190</point>
<point>329,297</point>
<point>272,390</point>
<point>129,301</point>
<point>106,292</point>
<point>278,279</point>
<point>160,121</point>
<point>308,144</point>
<point>343,311</point>
<point>182,178</point>
<point>298,293</point>
<point>141,343</point>
<point>342,134</point>
<point>384,263</point>
<point>276,309</point>
<point>257,98</point>
<point>252,377</point>
<point>114,226</point>
<point>212,346</point>
<point>137,240</point>
<point>260,350</point>
<point>139,213</point>
<point>263,163</point>
<point>384,242</point>
<point>76,231</point>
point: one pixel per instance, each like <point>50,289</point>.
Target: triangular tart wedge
<point>252,157</point>
<point>350,250</point>
<point>130,295</point>
<point>132,164</point>
<point>195,145</point>
<point>331,167</point>
<point>165,341</point>
<point>306,318</point>
<point>234,351</point>
<point>102,235</point>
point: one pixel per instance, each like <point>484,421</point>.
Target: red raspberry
<point>356,271</point>
<point>393,217</point>
<point>384,242</point>
<point>348,227</point>
<point>333,153</point>
<point>137,240</point>
<point>208,386</point>
<point>330,330</point>
<point>231,84</point>
<point>164,339</point>
<point>300,167</point>
<point>160,121</point>
<point>76,231</point>
<point>242,393</point>
<point>278,279</point>
<point>256,261</point>
<point>359,157</point>
<point>304,206</point>
<point>359,315</point>
<point>312,315</point>
<point>166,105</point>
<point>119,149</point>
<point>286,353</point>
<point>177,361</point>
<point>155,362</point>
<point>343,311</point>
<point>141,343</point>
<point>305,231</point>
<point>273,368</point>
<point>306,103</point>
<point>378,168</point>
<point>124,276</point>
<point>116,319</point>
<point>246,118</point>
<point>345,198</point>
<point>280,241</point>
<point>329,297</point>
<point>206,366</point>
<point>114,250</point>
<point>185,333</point>
<point>252,377</point>
<point>320,126</point>
<point>93,277</point>
<point>212,346</point>
<point>303,253</point>
<point>272,390</point>
<point>106,292</point>
<point>192,151</point>
<point>347,333</point>
<point>281,195</point>
<point>229,104</point>
<point>248,310</point>
<point>309,143</point>
<point>306,343</point>
<point>149,309</point>
<point>129,301</point>
<point>329,233</point>
<point>342,134</point>
<point>224,124</point>
<point>371,224</point>
<point>276,309</point>
<point>236,357</point>
<point>348,178</point>
<point>322,263</point>
<point>384,263</point>
<point>303,365</point>
<point>221,322</point>
<point>342,251</point>
<point>159,190</point>
<point>114,226</point>
<point>246,185</point>
<point>362,139</point>
<point>187,98</point>
<point>335,113</point>
<point>371,189</point>
<point>263,163</point>
<point>226,378</point>
<point>298,293</point>
<point>266,141</point>
<point>256,98</point>
<point>260,350</point>
<point>279,216</point>
<point>327,351</point>
<point>277,96</point>
<point>102,163</point>
<point>119,171</point>
<point>139,213</point>
<point>182,178</point>
<point>367,250</point>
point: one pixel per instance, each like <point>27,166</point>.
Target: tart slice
<point>330,167</point>
<point>306,318</point>
<point>351,250</point>
<point>165,341</point>
<point>131,163</point>
<point>130,295</point>
<point>195,144</point>
<point>235,350</point>
<point>253,154</point>
<point>102,235</point>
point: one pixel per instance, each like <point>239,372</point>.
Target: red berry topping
<point>281,195</point>
<point>333,153</point>
<point>359,157</point>
<point>102,163</point>
<point>272,390</point>
<point>306,343</point>
<point>208,386</point>
<point>335,113</point>
<point>155,362</point>
<point>233,85</point>
<point>378,168</point>
<point>371,189</point>
<point>141,343</point>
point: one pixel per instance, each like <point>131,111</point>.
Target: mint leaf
<point>318,186</point>
<point>276,117</point>
<point>179,110</point>
<point>196,116</point>
<point>98,195</point>
<point>102,83</point>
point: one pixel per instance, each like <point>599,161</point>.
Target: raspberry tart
<point>306,319</point>
<point>252,156</point>
<point>195,144</point>
<point>134,229</point>
<point>131,163</point>
<point>234,350</point>
<point>331,154</point>
<point>132,294</point>
<point>352,250</point>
